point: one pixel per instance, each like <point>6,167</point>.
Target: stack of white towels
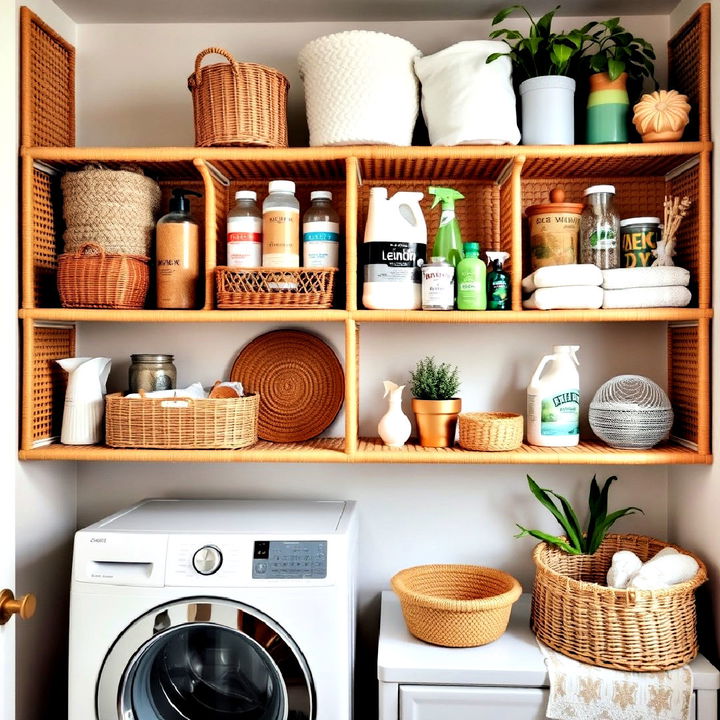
<point>666,568</point>
<point>586,287</point>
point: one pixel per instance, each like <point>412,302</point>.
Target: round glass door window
<point>204,672</point>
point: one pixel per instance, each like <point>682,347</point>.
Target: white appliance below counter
<point>506,679</point>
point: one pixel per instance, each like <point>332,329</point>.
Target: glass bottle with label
<point>321,232</point>
<point>244,231</point>
<point>281,226</point>
<point>600,228</point>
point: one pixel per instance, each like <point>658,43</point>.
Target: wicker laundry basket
<point>574,613</point>
<point>238,103</point>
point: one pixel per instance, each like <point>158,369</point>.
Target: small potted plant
<point>434,386</point>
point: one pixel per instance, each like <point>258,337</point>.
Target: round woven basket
<point>490,431</point>
<point>456,605</point>
<point>115,209</point>
<point>574,613</point>
<point>300,382</point>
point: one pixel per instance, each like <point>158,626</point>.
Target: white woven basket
<point>360,89</point>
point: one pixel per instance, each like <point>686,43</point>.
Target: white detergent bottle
<point>553,400</point>
<point>394,251</point>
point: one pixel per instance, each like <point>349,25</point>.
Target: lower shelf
<point>372,450</point>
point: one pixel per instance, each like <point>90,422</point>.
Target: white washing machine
<point>210,610</point>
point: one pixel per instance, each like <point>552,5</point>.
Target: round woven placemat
<point>300,382</point>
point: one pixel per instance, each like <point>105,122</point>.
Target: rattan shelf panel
<point>181,316</point>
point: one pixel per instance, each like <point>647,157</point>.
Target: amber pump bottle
<point>177,256</point>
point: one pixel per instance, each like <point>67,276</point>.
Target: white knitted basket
<point>360,88</point>
<point>631,412</point>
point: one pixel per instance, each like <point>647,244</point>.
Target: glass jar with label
<point>152,372</point>
<point>600,228</point>
<point>438,286</point>
<point>321,232</point>
<point>244,231</point>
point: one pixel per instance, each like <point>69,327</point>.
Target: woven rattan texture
<point>48,379</point>
<point>689,70</point>
<point>490,431</point>
<point>456,605</point>
<point>222,423</point>
<point>238,103</point>
<point>431,168</point>
<point>47,96</point>
<point>47,228</point>
<point>639,631</point>
<point>683,386</point>
<point>300,382</point>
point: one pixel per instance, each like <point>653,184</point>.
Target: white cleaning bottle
<point>394,251</point>
<point>553,400</point>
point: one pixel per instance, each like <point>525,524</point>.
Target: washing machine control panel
<point>207,560</point>
<point>289,559</point>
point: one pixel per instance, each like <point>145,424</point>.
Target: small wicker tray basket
<point>456,605</point>
<point>102,280</point>
<point>574,613</point>
<point>181,423</point>
<point>256,288</point>
<point>490,431</point>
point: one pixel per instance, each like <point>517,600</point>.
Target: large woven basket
<point>181,423</point>
<point>574,613</point>
<point>456,605</point>
<point>114,208</point>
<point>238,103</point>
<point>490,431</point>
<point>102,280</point>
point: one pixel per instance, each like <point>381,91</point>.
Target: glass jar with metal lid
<point>600,228</point>
<point>150,372</point>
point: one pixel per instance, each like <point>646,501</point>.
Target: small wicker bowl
<point>490,431</point>
<point>456,605</point>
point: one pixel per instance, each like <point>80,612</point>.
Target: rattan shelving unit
<point>498,183</point>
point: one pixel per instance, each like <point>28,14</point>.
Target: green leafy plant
<point>577,542</point>
<point>434,381</point>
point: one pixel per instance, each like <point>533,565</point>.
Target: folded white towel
<point>621,278</point>
<point>671,296</point>
<point>193,391</point>
<point>562,276</point>
<point>583,297</point>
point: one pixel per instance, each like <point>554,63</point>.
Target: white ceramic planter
<point>548,113</point>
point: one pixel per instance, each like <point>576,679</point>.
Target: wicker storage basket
<point>181,423</point>
<point>456,605</point>
<point>635,630</point>
<point>248,288</point>
<point>490,431</point>
<point>238,103</point>
<point>114,208</point>
<point>101,280</point>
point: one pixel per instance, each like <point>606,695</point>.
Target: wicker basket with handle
<point>238,103</point>
<point>574,613</point>
<point>92,278</point>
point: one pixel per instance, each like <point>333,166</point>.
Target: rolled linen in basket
<point>625,563</point>
<point>578,297</point>
<point>655,276</point>
<point>195,391</point>
<point>562,276</point>
<point>671,296</point>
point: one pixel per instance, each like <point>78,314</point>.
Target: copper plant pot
<point>436,421</point>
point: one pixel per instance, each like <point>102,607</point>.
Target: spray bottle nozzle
<point>179,202</point>
<point>447,196</point>
<point>494,256</point>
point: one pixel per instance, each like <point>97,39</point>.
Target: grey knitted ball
<point>631,412</point>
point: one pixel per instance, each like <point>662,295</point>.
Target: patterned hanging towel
<point>586,692</point>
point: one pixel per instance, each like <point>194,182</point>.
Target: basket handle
<point>215,51</point>
<point>100,250</point>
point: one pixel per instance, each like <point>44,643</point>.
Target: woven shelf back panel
<point>47,85</point>
<point>683,388</point>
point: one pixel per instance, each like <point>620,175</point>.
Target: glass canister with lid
<point>151,372</point>
<point>600,228</point>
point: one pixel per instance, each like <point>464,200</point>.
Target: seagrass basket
<point>574,613</point>
<point>238,103</point>
<point>490,431</point>
<point>456,605</point>
<point>92,278</point>
<point>181,423</point>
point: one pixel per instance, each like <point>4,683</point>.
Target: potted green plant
<point>619,58</point>
<point>544,64</point>
<point>434,386</point>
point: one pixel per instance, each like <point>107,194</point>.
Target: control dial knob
<point>207,560</point>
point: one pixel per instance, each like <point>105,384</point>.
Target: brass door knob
<point>24,606</point>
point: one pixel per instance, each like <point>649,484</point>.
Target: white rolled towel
<point>650,297</point>
<point>669,567</point>
<point>562,276</point>
<point>654,276</point>
<point>625,564</point>
<point>195,391</point>
<point>579,297</point>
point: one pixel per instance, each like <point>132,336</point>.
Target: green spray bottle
<point>448,242</point>
<point>498,282</point>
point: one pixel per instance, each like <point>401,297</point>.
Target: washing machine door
<point>205,659</point>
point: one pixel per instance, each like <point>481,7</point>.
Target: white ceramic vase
<point>548,110</point>
<point>394,426</point>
